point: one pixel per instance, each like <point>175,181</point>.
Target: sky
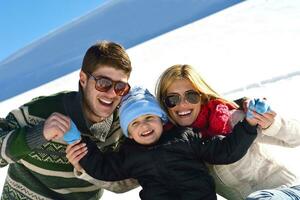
<point>24,21</point>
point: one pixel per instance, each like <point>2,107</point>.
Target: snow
<point>249,49</point>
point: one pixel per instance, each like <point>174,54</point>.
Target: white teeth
<point>185,112</point>
<point>146,133</point>
<point>106,101</point>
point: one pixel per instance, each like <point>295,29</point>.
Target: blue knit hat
<point>138,102</point>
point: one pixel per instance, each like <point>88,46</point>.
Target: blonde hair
<point>187,72</point>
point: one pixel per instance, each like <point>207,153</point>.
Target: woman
<point>187,99</point>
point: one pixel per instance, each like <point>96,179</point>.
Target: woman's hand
<point>263,116</point>
<point>75,152</point>
<point>264,121</point>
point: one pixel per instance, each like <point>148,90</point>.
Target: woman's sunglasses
<point>103,84</point>
<point>173,100</point>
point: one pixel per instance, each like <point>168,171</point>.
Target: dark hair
<point>106,53</point>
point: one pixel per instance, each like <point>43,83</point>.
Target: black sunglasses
<point>173,100</point>
<point>103,84</point>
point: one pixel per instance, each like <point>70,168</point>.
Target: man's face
<point>99,105</point>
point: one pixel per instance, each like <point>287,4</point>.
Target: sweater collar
<point>74,109</point>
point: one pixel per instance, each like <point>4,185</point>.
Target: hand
<point>75,152</point>
<point>55,126</point>
<point>264,121</point>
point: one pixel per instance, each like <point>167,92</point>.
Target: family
<point>186,142</point>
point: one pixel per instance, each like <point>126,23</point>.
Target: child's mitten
<point>72,135</point>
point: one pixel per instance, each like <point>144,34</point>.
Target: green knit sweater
<point>38,169</point>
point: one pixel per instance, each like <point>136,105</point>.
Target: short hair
<point>106,53</point>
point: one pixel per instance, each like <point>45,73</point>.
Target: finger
<point>257,116</point>
<point>61,119</point>
<point>76,150</point>
<point>246,105</point>
<point>70,146</point>
<point>57,128</point>
<point>78,158</point>
<point>270,114</point>
<point>265,122</point>
<point>268,118</point>
<point>77,155</point>
<point>61,116</point>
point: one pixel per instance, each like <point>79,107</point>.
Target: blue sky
<point>24,21</point>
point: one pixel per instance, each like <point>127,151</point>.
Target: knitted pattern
<point>38,169</point>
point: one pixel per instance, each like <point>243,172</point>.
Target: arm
<point>113,186</point>
<point>76,151</point>
<point>227,149</point>
<point>18,136</point>
<point>276,129</point>
<point>103,166</point>
<point>24,131</point>
<point>285,132</point>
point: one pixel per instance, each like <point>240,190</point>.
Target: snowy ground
<point>246,50</point>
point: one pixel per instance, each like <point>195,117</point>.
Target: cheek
<point>171,113</point>
<point>118,100</point>
<point>175,119</point>
<point>197,109</point>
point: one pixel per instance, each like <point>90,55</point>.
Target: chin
<point>185,124</point>
<point>149,142</point>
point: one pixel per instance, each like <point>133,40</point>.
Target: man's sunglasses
<point>103,84</point>
<point>173,100</point>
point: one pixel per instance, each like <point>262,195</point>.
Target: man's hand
<point>55,126</point>
<point>75,152</point>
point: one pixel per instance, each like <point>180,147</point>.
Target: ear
<point>83,78</point>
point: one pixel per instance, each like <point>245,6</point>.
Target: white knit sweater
<point>262,167</point>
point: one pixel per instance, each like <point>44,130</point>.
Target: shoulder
<point>212,104</point>
<point>43,106</point>
<point>179,131</point>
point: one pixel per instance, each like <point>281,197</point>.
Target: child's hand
<point>72,134</point>
<point>75,152</point>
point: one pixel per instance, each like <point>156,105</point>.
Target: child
<point>168,165</point>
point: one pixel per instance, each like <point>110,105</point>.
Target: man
<point>31,136</point>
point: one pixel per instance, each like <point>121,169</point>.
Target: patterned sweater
<point>38,169</point>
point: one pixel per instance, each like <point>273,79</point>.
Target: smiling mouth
<point>184,113</point>
<point>105,102</point>
<point>147,133</point>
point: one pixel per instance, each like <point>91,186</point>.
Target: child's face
<point>146,129</point>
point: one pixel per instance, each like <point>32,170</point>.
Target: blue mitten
<point>258,105</point>
<point>72,135</point>
<point>261,106</point>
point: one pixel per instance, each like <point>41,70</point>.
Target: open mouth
<point>184,113</point>
<point>147,133</point>
<point>105,102</point>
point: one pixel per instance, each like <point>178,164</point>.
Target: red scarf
<point>213,119</point>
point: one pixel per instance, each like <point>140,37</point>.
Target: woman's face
<point>184,113</point>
